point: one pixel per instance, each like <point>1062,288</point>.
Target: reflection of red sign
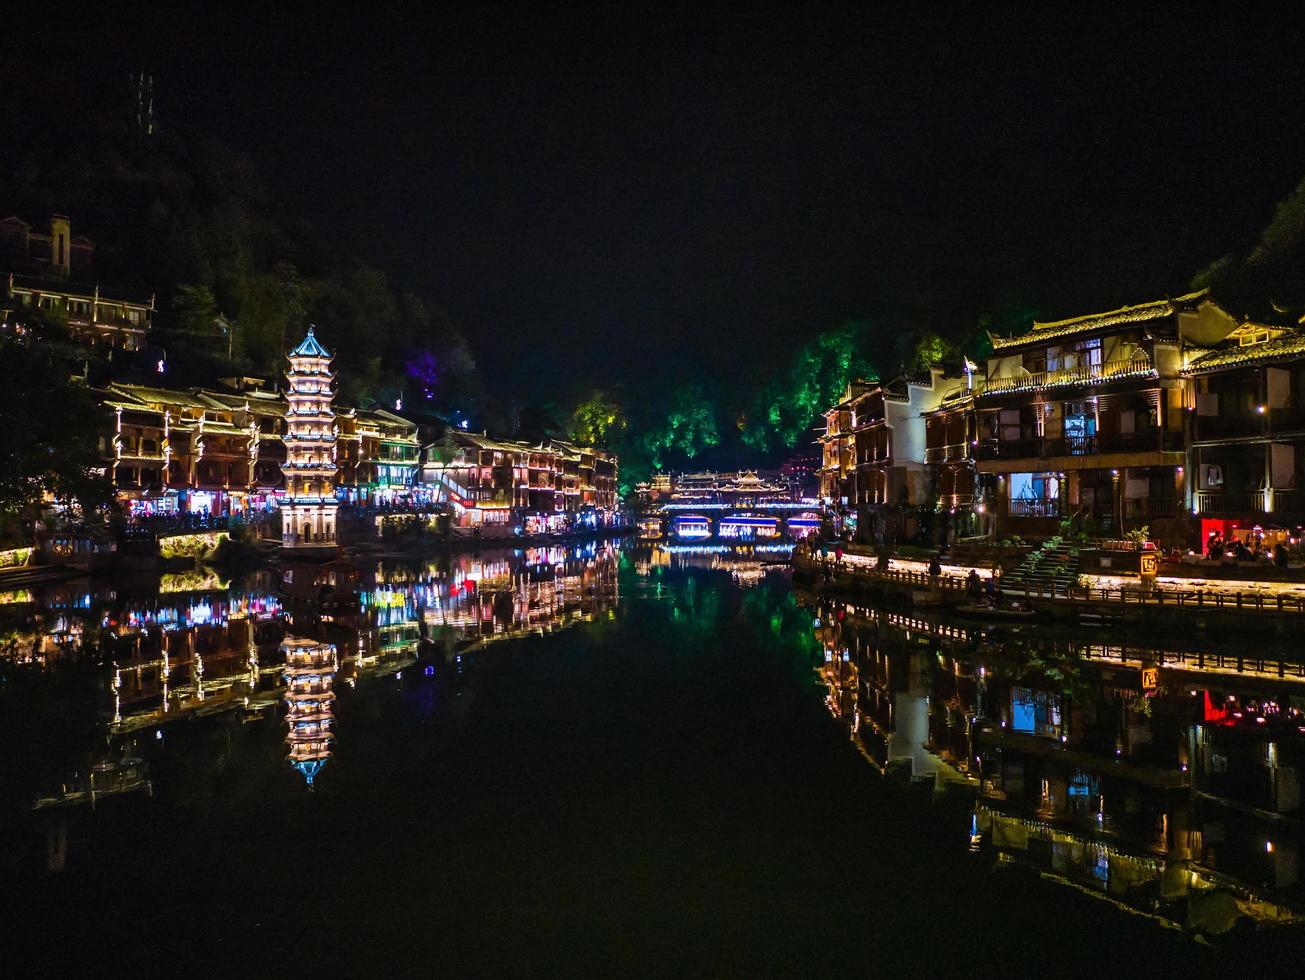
<point>1150,678</point>
<point>1150,564</point>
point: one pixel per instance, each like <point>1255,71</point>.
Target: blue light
<point>309,768</point>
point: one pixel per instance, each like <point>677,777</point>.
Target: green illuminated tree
<point>599,420</point>
<point>819,372</point>
<point>688,428</point>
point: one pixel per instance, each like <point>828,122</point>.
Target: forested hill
<point>177,214</point>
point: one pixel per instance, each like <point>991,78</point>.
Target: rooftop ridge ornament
<point>310,346</point>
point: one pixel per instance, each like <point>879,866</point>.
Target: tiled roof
<point>309,347</point>
<point>1289,346</point>
<point>161,396</point>
<point>1156,310</point>
<point>64,287</point>
<point>954,399</point>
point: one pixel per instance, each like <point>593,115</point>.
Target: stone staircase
<point>1051,570</point>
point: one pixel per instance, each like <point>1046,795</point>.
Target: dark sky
<point>604,197</point>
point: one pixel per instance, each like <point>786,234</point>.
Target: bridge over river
<point>743,519</point>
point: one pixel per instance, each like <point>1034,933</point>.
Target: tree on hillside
<point>188,219</point>
<point>1269,275</point>
<point>49,441</point>
<point>817,374</point>
<point>599,420</point>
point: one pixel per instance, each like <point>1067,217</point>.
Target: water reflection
<point>1162,777</point>
<point>746,562</point>
<point>310,669</point>
<point>160,650</point>
<point>1165,777</point>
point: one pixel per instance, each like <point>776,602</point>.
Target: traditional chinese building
<point>1246,453</point>
<point>389,457</point>
<point>308,516</point>
<point>497,485</point>
<point>950,439</point>
<point>1085,419</point>
<point>51,271</point>
<point>838,448</point>
<point>873,449</point>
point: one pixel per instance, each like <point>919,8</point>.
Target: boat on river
<point>982,611</point>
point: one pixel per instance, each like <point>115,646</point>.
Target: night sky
<point>604,198</point>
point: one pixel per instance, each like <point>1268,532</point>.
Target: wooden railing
<point>1035,507</point>
<point>1288,501</point>
<point>1149,507</point>
<point>1036,447</point>
<point>1124,367</point>
<point>1220,501</point>
<point>946,454</point>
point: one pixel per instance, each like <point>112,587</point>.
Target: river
<point>601,758</point>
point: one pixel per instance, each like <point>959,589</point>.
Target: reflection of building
<point>202,653</point>
<point>544,589</point>
<point>1140,772</point>
<point>310,669</point>
<point>309,513</point>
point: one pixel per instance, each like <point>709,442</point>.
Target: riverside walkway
<point>1262,606</point>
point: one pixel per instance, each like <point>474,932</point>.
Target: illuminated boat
<point>801,525</point>
<point>692,527</point>
<point>650,528</point>
<point>749,526</point>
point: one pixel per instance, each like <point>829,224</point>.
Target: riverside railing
<point>1189,599</point>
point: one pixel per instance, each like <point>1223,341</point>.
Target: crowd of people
<point>1236,549</point>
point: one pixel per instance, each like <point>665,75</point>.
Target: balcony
<point>1035,507</point>
<point>1288,501</point>
<point>1230,501</point>
<point>1154,440</point>
<point>947,454</point>
<point>1137,366</point>
<point>1149,508</point>
<point>872,459</point>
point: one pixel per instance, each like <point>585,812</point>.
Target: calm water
<point>591,760</point>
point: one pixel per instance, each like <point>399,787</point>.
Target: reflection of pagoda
<point>309,675</point>
<point>308,516</point>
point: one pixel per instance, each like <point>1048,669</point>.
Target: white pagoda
<point>308,515</point>
<point>310,669</point>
